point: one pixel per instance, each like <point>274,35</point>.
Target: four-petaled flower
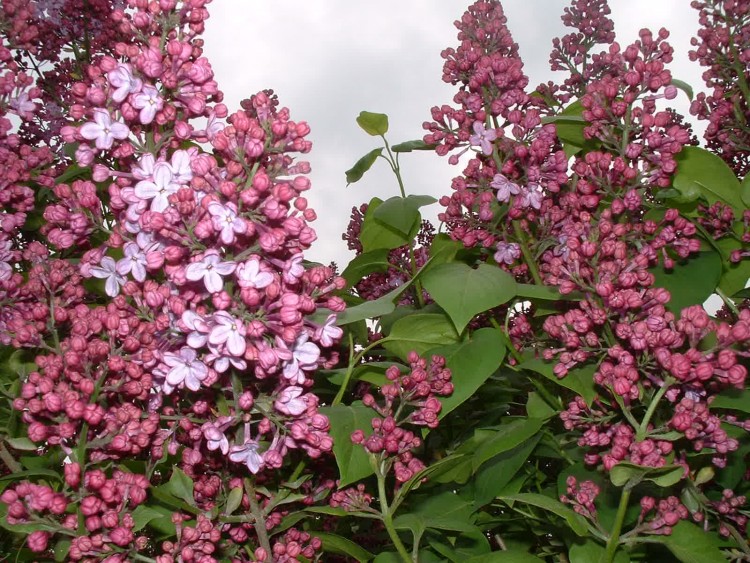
<point>107,270</point>
<point>149,102</point>
<point>103,130</point>
<point>248,454</point>
<point>249,274</point>
<point>134,262</point>
<point>228,331</point>
<point>210,269</point>
<point>215,438</point>
<point>507,252</point>
<point>123,80</point>
<point>304,357</point>
<point>290,401</point>
<point>160,188</point>
<point>483,137</point>
<point>329,333</point>
<point>226,221</point>
<point>185,368</point>
<point>504,188</point>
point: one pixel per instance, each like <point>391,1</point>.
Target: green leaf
<point>684,86</point>
<point>375,234</point>
<point>576,522</point>
<point>592,552</point>
<point>745,191</point>
<point>735,276</point>
<point>701,171</point>
<point>333,543</point>
<point>570,124</point>
<point>445,511</point>
<point>73,172</point>
<point>495,475</point>
<point>352,459</point>
<point>626,474</point>
<point>579,379</point>
<point>419,333</point>
<point>369,309</point>
<point>691,281</point>
<point>507,437</point>
<point>234,500</point>
<point>690,544</point>
<point>471,363</point>
<point>22,444</point>
<point>416,145</point>
<point>355,173</point>
<point>365,264</point>
<point>374,124</point>
<point>400,213</point>
<point>463,292</point>
<point>506,557</point>
<point>181,486</point>
<point>733,399</point>
<point>143,514</point>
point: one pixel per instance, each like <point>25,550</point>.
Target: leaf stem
<point>388,520</point>
<point>614,538</point>
<point>259,521</point>
<point>350,369</point>
<point>528,258</point>
<point>643,428</point>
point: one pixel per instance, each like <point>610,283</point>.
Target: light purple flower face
<point>249,274</point>
<point>248,454</point>
<point>185,368</point>
<point>145,168</point>
<point>291,402</point>
<point>507,252</point>
<point>228,331</point>
<point>215,438</point>
<point>304,357</point>
<point>505,188</point>
<point>22,105</point>
<point>107,271</point>
<point>103,130</point>
<point>133,262</point>
<point>159,189</point>
<point>226,221</point>
<point>293,268</point>
<point>221,361</point>
<point>210,269</point>
<point>482,137</point>
<point>199,330</point>
<point>123,80</point>
<point>181,167</point>
<point>329,333</point>
<point>149,102</point>
<point>532,196</point>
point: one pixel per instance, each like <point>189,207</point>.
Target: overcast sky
<point>329,59</point>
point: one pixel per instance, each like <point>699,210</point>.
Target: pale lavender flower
<point>210,269</point>
<point>181,167</point>
<point>159,188</point>
<point>291,402</point>
<point>304,357</point>
<point>145,168</point>
<point>185,368</point>
<point>215,438</point>
<point>226,221</point>
<point>482,137</point>
<point>532,196</point>
<point>507,252</point>
<point>103,130</point>
<point>149,102</point>
<point>504,188</point>
<point>221,361</point>
<point>228,331</point>
<point>107,271</point>
<point>249,274</point>
<point>199,329</point>
<point>293,268</point>
<point>248,454</point>
<point>329,333</point>
<point>23,106</point>
<point>134,262</point>
<point>124,82</point>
